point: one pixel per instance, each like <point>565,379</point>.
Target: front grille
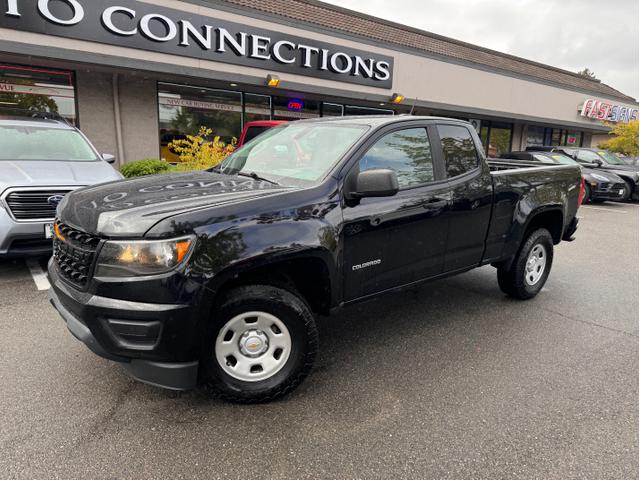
<point>75,255</point>
<point>34,204</point>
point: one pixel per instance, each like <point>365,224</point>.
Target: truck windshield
<point>297,154</point>
<point>610,158</point>
<point>42,143</point>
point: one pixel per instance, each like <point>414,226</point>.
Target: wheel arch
<point>307,274</point>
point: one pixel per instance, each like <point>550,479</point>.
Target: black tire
<point>298,319</point>
<point>513,281</point>
<point>587,194</point>
<point>628,191</point>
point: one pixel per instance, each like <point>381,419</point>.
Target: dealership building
<point>133,75</point>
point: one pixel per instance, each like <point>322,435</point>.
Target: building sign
<point>197,104</point>
<point>139,25</point>
<point>36,90</point>
<point>599,110</point>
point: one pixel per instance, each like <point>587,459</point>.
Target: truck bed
<point>519,188</point>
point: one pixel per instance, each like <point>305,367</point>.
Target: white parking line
<point>38,275</point>
<point>605,209</point>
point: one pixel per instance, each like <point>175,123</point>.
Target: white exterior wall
<point>429,80</point>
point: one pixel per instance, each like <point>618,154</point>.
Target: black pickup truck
<point>214,277</point>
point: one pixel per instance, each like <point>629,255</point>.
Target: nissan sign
<point>139,25</point>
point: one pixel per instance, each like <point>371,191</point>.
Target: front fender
<point>223,254</point>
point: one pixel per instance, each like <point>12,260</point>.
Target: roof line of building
<point>249,5</point>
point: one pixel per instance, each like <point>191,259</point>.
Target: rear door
<point>472,196</point>
<point>392,241</point>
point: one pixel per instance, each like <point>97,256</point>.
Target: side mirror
<point>380,182</point>
<point>107,157</point>
<point>598,162</point>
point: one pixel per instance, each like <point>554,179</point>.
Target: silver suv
<point>41,160</point>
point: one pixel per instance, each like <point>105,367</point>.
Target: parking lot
<point>450,380</point>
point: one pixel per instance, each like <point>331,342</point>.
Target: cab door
<point>471,188</point>
<point>393,241</point>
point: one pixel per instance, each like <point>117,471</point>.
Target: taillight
<point>581,197</point>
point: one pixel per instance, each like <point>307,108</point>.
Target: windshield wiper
<point>256,177</point>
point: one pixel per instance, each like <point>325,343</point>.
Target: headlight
<point>599,177</point>
<point>142,257</point>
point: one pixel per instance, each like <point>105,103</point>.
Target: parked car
<point>606,161</point>
<point>252,129</point>
<point>215,275</point>
<point>600,185</point>
<point>41,161</point>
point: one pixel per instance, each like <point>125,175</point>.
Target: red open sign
<point>295,105</point>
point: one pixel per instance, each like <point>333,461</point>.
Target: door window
<point>459,149</point>
<point>407,152</point>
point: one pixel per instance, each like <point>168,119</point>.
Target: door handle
<point>435,202</point>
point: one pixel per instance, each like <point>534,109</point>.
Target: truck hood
<point>36,173</point>
<point>129,208</point>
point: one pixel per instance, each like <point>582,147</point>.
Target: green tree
<point>589,74</point>
<point>624,139</point>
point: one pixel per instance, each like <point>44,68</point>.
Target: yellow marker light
<point>397,98</point>
<point>182,248</point>
<point>273,80</point>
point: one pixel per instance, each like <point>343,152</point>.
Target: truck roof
<point>378,120</point>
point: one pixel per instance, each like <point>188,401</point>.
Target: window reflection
<point>459,149</point>
<point>407,152</point>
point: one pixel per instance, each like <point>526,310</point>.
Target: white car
<point>41,160</point>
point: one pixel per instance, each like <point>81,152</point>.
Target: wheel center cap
<point>532,264</point>
<point>253,343</point>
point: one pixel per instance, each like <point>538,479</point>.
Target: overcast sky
<point>601,35</point>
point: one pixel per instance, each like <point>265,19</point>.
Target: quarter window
<point>459,149</point>
<point>407,152</point>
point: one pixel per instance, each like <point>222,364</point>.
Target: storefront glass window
<point>183,110</point>
<point>573,138</point>
<point>26,90</point>
<point>332,109</point>
<point>535,136</point>
<point>256,107</point>
<point>500,138</point>
<point>294,108</point>
<point>496,137</point>
<point>353,110</point>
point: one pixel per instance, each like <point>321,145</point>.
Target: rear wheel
<point>530,269</point>
<point>261,345</point>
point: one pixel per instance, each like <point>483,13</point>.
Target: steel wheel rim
<point>536,264</point>
<point>253,346</point>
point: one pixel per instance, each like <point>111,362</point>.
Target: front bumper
<point>18,239</point>
<point>607,191</point>
<point>131,333</point>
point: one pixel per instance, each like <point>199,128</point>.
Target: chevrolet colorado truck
<point>214,277</point>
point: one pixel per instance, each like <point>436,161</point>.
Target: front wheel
<point>261,345</point>
<point>530,269</point>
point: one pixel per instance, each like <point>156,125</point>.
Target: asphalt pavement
<point>451,380</point>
